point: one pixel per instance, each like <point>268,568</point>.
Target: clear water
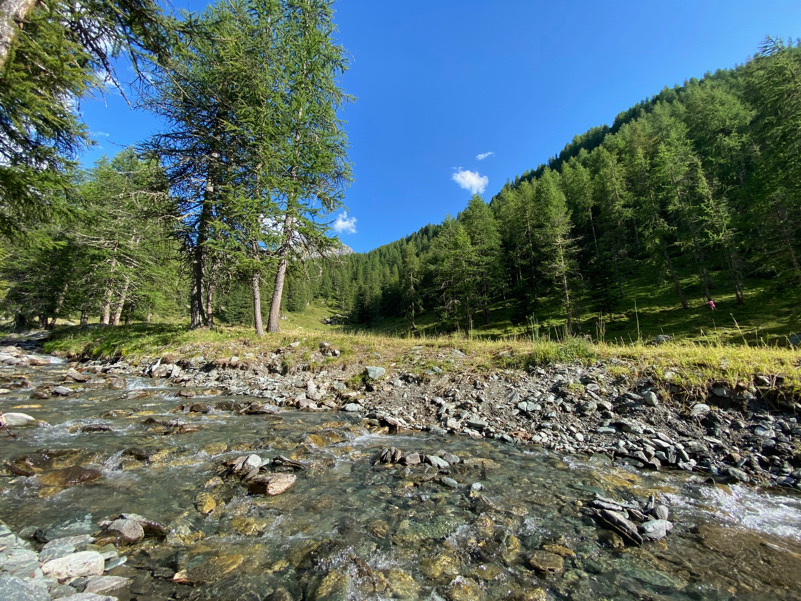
<point>354,529</point>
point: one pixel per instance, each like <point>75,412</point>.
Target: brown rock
<point>271,484</point>
<point>545,562</point>
<point>69,476</point>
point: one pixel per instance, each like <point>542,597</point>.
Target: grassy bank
<point>688,365</point>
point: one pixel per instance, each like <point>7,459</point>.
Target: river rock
<point>129,531</point>
<point>102,584</point>
<point>650,399</point>
<point>352,407</point>
<point>545,562</point>
<point>617,522</point>
<point>18,419</point>
<point>13,588</point>
<point>738,474</point>
<point>69,476</point>
<point>437,462</point>
<point>205,503</point>
<point>61,547</point>
<point>83,563</point>
<point>77,376</point>
<point>62,391</point>
<point>661,512</point>
<point>90,597</point>
<point>411,459</point>
<point>450,457</point>
<point>117,384</point>
<point>246,464</point>
<point>374,373</point>
<point>699,410</point>
<point>655,529</point>
<point>271,484</point>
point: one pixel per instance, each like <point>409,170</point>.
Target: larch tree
<point>773,85</point>
<point>52,53</point>
<point>554,236</point>
<point>480,225</point>
<point>311,143</point>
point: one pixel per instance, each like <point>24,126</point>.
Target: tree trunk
<point>13,15</point>
<point>200,255</point>
<point>675,279</point>
<point>121,302</point>
<point>278,291</point>
<point>105,316</point>
<point>257,322</point>
<point>210,301</point>
<point>734,270</point>
<point>619,279</point>
<point>149,318</point>
<point>197,314</point>
<point>59,303</point>
<point>84,316</point>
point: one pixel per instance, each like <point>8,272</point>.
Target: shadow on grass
<point>113,341</point>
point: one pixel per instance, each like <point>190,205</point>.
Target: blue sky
<point>441,83</point>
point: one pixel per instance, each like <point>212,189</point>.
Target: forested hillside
<point>690,196</point>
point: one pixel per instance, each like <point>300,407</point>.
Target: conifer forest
<point>692,195</point>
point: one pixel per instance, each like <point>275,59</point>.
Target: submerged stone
<point>545,562</point>
<point>69,476</point>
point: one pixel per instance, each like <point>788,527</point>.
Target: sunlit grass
<point>688,365</point>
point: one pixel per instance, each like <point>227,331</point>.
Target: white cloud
<point>471,180</point>
<point>101,134</point>
<point>344,224</point>
<point>485,155</point>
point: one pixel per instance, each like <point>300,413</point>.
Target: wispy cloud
<point>485,155</point>
<point>471,180</point>
<point>101,134</point>
<point>344,224</point>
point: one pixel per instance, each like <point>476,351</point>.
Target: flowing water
<point>352,528</point>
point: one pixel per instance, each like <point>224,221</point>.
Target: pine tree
<point>480,225</point>
<point>554,236</point>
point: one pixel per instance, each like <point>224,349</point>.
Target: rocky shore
<point>749,433</point>
<point>470,510</point>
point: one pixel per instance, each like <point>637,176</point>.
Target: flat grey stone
<point>352,407</point>
<point>102,584</point>
<point>72,528</point>
<point>85,563</point>
<point>437,462</point>
<point>61,547</point>
<point>19,561</point>
<point>13,588</point>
